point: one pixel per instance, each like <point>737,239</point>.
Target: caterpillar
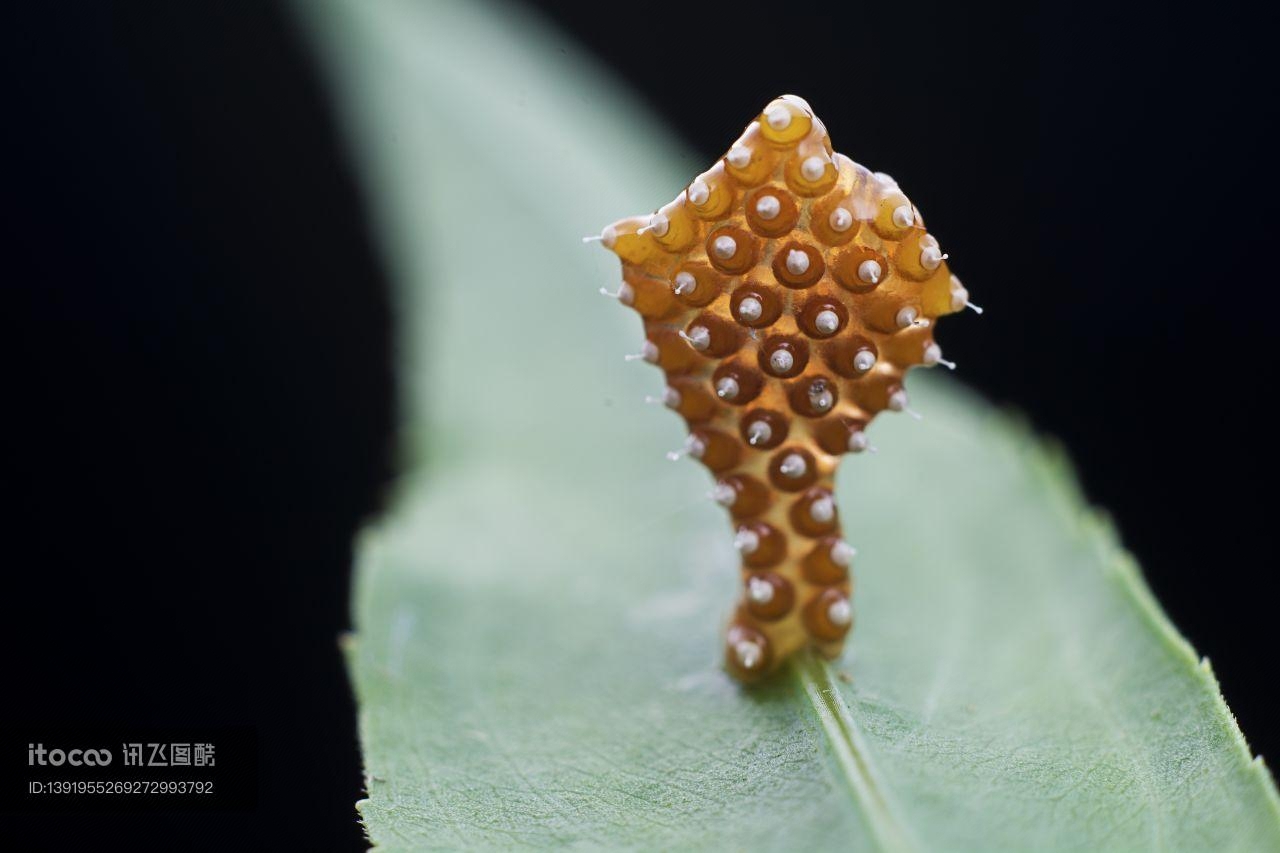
<point>785,293</point>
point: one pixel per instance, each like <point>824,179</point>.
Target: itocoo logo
<point>37,754</point>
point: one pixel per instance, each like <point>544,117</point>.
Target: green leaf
<point>538,618</point>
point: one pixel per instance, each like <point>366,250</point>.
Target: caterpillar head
<point>784,294</point>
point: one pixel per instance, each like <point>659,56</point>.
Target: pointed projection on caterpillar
<point>785,293</point>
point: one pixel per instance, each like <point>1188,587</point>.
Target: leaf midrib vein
<point>845,736</point>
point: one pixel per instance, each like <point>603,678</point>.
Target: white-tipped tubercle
<point>699,337</point>
<point>699,193</point>
<point>759,432</point>
<point>658,224</point>
<point>840,219</point>
<point>748,653</point>
<point>813,168</point>
<point>670,398</point>
<point>823,510</point>
<point>746,541</point>
<point>781,360</point>
<point>648,352</point>
<point>625,293</point>
<point>899,402</point>
<point>727,388</point>
<point>821,398</point>
<point>869,272</point>
<point>793,466</point>
<point>693,446</point>
<point>725,247</point>
<point>608,236</point>
<point>839,613</point>
<point>759,591</point>
<point>826,322</point>
<point>750,310</point>
<point>778,117</point>
<point>768,207</point>
<point>931,257</point>
<point>724,494</point>
<point>842,553</point>
<point>864,360</point>
<point>683,283</point>
<point>933,355</point>
<point>797,262</point>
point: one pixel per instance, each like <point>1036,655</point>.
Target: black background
<point>198,389</point>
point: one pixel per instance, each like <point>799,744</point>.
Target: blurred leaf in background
<point>537,647</point>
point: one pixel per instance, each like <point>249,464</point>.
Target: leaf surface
<point>536,654</point>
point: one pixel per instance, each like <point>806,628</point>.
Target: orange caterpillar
<point>785,293</point>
